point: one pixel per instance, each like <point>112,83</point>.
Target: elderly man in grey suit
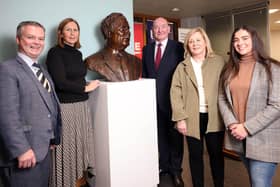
<point>29,113</point>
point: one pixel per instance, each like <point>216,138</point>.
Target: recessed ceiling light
<point>271,11</point>
<point>175,9</point>
<point>278,21</point>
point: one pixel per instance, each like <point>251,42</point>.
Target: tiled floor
<point>235,174</point>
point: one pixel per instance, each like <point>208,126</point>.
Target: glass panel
<point>257,19</point>
<point>219,30</point>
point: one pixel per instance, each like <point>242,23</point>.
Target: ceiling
<point>193,8</point>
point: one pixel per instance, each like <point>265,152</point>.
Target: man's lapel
<point>42,91</point>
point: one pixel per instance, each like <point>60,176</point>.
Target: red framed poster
<point>138,39</point>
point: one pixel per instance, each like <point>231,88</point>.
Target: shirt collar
<point>163,42</point>
<point>26,59</point>
<point>196,63</point>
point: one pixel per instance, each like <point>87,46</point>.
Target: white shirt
<point>29,62</point>
<point>163,46</point>
<point>203,103</point>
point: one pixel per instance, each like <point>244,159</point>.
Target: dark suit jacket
<point>28,113</point>
<point>172,56</point>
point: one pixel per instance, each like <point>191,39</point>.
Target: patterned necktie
<point>158,56</point>
<point>41,77</point>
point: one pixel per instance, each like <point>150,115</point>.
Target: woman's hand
<point>181,126</point>
<point>92,85</point>
<point>238,131</point>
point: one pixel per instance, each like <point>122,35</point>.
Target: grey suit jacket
<point>262,116</point>
<point>29,115</point>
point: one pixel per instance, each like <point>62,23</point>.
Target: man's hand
<point>27,159</point>
<point>52,147</point>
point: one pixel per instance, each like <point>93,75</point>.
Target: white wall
<point>275,44</point>
<point>89,14</point>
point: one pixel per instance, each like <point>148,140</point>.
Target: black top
<point>68,72</point>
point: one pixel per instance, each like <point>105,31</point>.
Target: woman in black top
<point>65,65</point>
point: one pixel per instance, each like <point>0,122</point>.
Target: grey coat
<point>262,116</point>
<point>29,115</point>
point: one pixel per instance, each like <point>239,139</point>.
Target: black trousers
<point>170,145</point>
<point>214,144</point>
<point>37,176</point>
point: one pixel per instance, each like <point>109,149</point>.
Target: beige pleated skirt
<point>76,151</point>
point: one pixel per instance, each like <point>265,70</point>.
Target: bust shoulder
<point>95,60</point>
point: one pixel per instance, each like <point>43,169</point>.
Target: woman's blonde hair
<point>209,50</point>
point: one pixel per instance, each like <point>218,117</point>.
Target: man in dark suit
<point>159,62</point>
<point>29,113</point>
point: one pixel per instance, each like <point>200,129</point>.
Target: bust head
<point>112,62</point>
<point>115,30</point>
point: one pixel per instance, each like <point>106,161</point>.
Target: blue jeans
<point>260,172</point>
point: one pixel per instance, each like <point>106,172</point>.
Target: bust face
<point>120,35</point>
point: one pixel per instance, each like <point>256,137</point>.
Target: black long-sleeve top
<point>68,71</point>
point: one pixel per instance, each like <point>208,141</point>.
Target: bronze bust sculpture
<point>112,62</point>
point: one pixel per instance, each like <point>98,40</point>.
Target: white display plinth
<point>125,134</point>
